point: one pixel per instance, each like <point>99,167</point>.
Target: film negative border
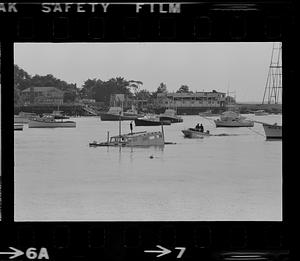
<point>126,240</point>
<point>60,22</point>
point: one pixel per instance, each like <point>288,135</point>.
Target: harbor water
<point>234,175</point>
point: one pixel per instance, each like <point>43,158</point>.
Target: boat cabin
<point>138,139</point>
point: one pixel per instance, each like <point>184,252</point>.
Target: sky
<point>235,67</point>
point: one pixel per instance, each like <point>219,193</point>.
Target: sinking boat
<point>50,122</point>
<point>233,119</point>
<point>195,133</point>
<point>141,139</point>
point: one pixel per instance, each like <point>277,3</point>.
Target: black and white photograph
<point>148,131</point>
<point>0,140</point>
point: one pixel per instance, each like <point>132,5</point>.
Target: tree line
<point>96,89</point>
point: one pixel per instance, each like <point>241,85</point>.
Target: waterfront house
<point>43,95</point>
<point>192,102</point>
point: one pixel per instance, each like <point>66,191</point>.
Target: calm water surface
<point>236,177</point>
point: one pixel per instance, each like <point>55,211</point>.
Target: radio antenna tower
<point>273,89</point>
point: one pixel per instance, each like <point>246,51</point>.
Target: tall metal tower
<point>273,89</point>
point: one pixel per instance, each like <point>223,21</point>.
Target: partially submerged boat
<point>233,119</point>
<point>50,122</point>
<point>18,127</point>
<point>195,133</point>
<point>170,115</point>
<point>150,120</point>
<point>272,131</point>
<point>141,139</point>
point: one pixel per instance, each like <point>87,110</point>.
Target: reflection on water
<point>236,176</point>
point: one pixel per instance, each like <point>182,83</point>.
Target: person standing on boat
<point>131,127</point>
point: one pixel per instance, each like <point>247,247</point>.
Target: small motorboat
<point>273,131</point>
<point>195,133</point>
<point>233,119</point>
<point>18,127</point>
<point>50,122</point>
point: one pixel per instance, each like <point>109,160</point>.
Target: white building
<point>193,99</point>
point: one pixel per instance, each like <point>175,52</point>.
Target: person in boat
<point>131,127</point>
<point>197,126</point>
<point>201,128</point>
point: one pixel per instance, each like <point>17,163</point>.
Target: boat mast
<point>120,125</point>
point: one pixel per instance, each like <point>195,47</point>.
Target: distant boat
<point>58,115</point>
<point>116,114</point>
<point>170,115</point>
<point>272,131</point>
<point>260,113</point>
<point>208,113</point>
<point>195,133</point>
<point>134,139</point>
<point>233,119</point>
<point>132,113</point>
<point>18,127</point>
<point>150,120</point>
<point>50,122</point>
<point>24,117</point>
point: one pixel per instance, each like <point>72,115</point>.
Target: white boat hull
<point>273,131</point>
<point>229,124</point>
<point>41,124</point>
<point>18,127</point>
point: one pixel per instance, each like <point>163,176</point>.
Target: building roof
<point>190,94</point>
<point>43,89</point>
